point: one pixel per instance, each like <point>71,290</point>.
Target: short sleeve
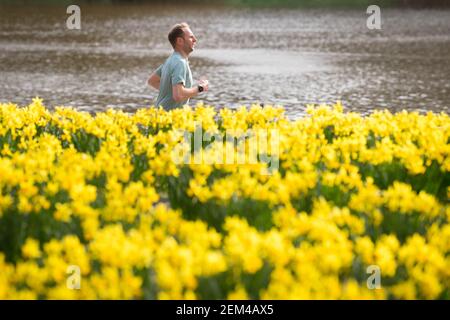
<point>179,74</point>
<point>159,71</point>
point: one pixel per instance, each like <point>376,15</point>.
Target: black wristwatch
<point>200,88</point>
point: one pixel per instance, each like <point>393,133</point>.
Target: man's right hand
<point>205,84</point>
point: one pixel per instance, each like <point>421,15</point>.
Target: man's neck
<point>182,53</point>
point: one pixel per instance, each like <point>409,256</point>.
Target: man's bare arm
<point>154,81</point>
<point>180,93</point>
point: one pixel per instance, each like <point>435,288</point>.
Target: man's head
<point>181,38</point>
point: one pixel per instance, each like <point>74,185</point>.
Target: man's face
<point>189,41</point>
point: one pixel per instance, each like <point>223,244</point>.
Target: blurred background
<point>290,53</point>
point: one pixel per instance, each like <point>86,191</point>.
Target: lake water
<point>271,56</point>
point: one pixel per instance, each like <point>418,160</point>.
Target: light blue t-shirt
<point>173,71</point>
